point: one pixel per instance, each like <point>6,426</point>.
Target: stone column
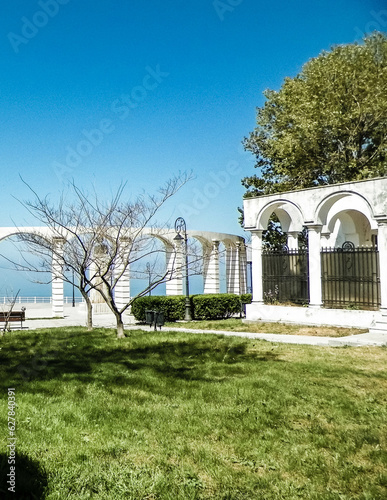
<point>94,295</point>
<point>314,248</point>
<point>97,267</point>
<point>211,274</point>
<point>122,274</point>
<point>242,268</point>
<point>380,325</point>
<point>57,277</point>
<point>174,258</point>
<point>292,241</point>
<point>256,266</point>
<point>232,268</point>
<point>382,248</point>
<point>229,268</point>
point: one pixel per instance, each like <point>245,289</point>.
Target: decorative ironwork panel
<point>350,277</point>
<point>285,275</point>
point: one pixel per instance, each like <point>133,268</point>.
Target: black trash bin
<point>159,318</point>
<point>149,317</point>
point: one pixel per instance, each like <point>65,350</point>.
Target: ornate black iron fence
<point>350,277</point>
<point>285,275</point>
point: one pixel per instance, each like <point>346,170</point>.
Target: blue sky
<point>110,91</point>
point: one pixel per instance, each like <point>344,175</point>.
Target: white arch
<point>340,201</point>
<point>289,214</point>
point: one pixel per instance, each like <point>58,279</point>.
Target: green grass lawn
<point>237,325</point>
<point>178,416</point>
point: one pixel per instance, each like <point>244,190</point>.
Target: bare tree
<point>97,241</point>
<point>124,242</point>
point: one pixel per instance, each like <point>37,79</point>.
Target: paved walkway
<point>76,317</point>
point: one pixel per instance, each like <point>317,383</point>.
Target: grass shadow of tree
<point>30,478</point>
<point>93,357</point>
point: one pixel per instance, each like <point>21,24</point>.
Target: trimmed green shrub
<point>216,306</point>
<point>173,306</point>
<point>206,306</point>
<point>246,298</point>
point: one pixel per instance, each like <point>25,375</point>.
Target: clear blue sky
<point>171,85</point>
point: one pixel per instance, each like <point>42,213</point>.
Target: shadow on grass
<point>29,481</point>
<point>97,356</point>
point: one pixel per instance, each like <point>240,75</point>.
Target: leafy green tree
<point>326,125</point>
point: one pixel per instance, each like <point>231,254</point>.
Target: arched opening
<point>349,225</point>
<point>349,258</point>
<point>23,272</point>
<point>285,274</point>
<point>149,263</point>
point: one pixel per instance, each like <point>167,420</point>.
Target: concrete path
<point>364,339</point>
<point>38,316</point>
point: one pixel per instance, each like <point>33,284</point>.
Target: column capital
<point>241,246</point>
<point>125,239</point>
<point>381,220</point>
<point>311,226</point>
<point>58,240</point>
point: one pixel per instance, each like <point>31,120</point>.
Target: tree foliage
<point>326,125</point>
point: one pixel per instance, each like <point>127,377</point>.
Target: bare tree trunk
<point>89,320</point>
<point>108,298</point>
<point>89,306</point>
<point>120,326</point>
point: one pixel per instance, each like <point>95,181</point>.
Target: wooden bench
<point>13,316</point>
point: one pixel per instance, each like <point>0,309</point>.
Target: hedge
<point>216,306</point>
<point>172,306</point>
<point>246,298</point>
<point>207,306</point>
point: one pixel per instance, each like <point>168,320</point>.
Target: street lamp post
<point>181,227</point>
<point>149,272</point>
<point>67,268</point>
<point>73,289</point>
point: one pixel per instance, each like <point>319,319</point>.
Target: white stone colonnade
<point>234,249</point>
<point>352,213</point>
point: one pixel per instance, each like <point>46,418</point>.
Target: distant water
<point>13,281</point>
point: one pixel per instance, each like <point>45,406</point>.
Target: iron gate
<point>350,277</point>
<point>285,275</point>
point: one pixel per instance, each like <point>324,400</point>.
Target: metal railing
<point>285,276</point>
<point>350,277</point>
<point>39,300</point>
